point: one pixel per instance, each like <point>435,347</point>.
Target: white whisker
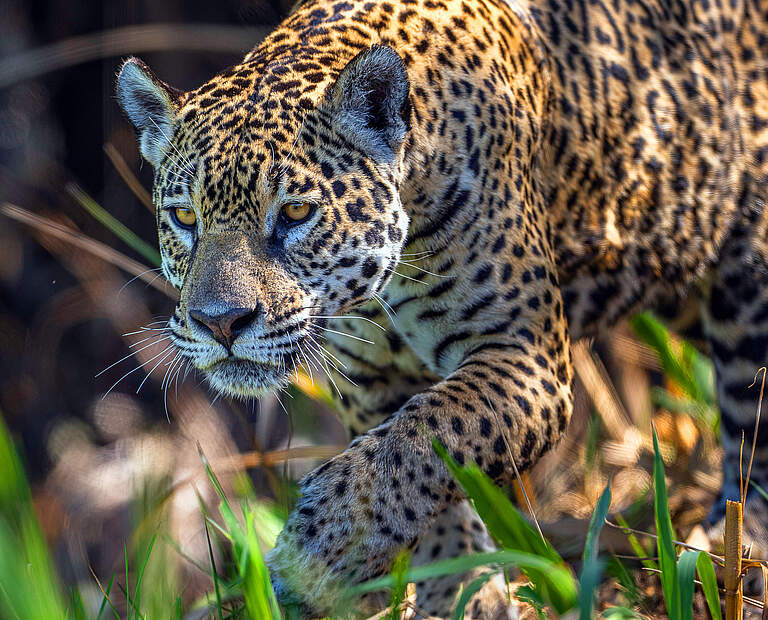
<point>134,370</point>
<point>333,331</point>
<point>134,278</point>
<point>397,273</point>
<point>346,316</point>
<point>437,275</point>
<point>133,353</point>
<point>386,307</point>
<point>162,359</point>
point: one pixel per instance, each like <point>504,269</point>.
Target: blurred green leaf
<point>527,594</point>
<point>616,569</point>
<point>690,370</point>
<point>398,574</point>
<point>759,489</point>
<point>665,536</point>
<point>620,613</point>
<point>29,589</point>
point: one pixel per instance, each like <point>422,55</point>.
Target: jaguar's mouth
<point>239,377</point>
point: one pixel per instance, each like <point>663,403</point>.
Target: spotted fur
<point>488,181</point>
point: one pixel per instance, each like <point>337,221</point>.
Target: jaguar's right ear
<point>151,105</point>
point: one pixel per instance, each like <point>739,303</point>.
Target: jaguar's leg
<point>736,322</point>
<point>457,531</point>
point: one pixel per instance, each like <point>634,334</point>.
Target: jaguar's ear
<point>151,106</point>
<point>370,99</point>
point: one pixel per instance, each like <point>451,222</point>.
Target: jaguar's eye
<point>185,217</point>
<point>295,212</point>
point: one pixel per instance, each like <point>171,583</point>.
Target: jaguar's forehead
<point>241,137</point>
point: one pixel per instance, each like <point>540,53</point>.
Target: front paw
<point>353,515</point>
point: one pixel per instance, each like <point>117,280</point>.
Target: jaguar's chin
<point>236,377</point>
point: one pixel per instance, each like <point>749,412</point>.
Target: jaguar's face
<point>272,220</point>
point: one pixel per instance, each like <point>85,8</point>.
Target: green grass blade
<point>589,579</point>
<point>526,594</point>
<point>665,536</point>
<point>616,569</point>
<point>655,335</point>
<point>592,569</point>
<point>620,613</point>
<point>29,587</point>
<point>686,574</point>
<point>398,572</point>
<point>759,489</point>
<point>467,593</point>
<point>596,524</point>
<point>140,577</point>
<point>128,601</point>
<point>501,517</point>
<point>634,542</point>
<point>510,530</point>
<point>214,574</point>
<point>78,609</point>
<point>556,579</point>
<point>116,227</point>
<point>106,600</point>
<point>257,587</point>
<point>706,571</point>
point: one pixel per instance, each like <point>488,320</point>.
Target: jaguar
<point>428,201</point>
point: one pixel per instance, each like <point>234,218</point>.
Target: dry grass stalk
<point>128,177</point>
<point>206,38</point>
<point>601,391</point>
<point>745,485</point>
<point>69,235</point>
<point>733,583</point>
<point>251,460</point>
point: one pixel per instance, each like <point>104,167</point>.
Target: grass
<point>240,531</point>
<point>31,589</point>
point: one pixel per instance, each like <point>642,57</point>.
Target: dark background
<point>53,127</point>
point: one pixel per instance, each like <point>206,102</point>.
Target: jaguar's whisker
<point>138,342</point>
<point>158,338</point>
<point>386,307</point>
<point>347,316</point>
<point>397,273</point>
<point>306,364</point>
<point>432,273</point>
<point>134,370</point>
<point>326,351</point>
<point>134,278</point>
<point>334,331</point>
<point>162,359</point>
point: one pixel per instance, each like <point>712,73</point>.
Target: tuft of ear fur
<point>151,105</point>
<point>371,101</point>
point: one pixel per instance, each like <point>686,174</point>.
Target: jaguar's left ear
<point>151,105</point>
<point>371,103</point>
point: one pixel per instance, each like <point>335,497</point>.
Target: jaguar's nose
<point>225,326</point>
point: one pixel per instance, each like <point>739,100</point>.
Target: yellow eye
<point>185,216</point>
<point>296,211</point>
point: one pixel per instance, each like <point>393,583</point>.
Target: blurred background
<point>79,292</point>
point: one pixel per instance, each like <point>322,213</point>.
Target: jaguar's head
<point>276,189</point>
